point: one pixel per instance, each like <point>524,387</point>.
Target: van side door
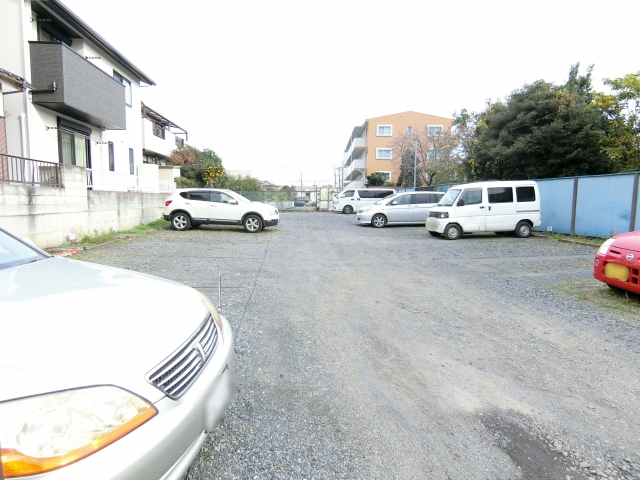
<point>470,210</point>
<point>400,209</point>
<point>501,209</point>
<point>423,202</point>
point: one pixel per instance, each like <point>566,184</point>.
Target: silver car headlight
<point>46,432</point>
<point>604,248</point>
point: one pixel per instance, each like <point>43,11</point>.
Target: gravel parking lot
<point>386,353</point>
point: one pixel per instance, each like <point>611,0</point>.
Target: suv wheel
<point>252,223</point>
<point>180,221</point>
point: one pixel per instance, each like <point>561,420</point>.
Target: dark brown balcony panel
<point>82,90</point>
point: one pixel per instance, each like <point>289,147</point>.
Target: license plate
<point>613,270</point>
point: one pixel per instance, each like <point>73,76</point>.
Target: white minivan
<point>352,199</point>
<point>497,206</point>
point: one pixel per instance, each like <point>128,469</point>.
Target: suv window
<point>472,197</point>
<point>500,195</point>
<point>219,197</point>
<point>201,196</point>
<point>526,194</point>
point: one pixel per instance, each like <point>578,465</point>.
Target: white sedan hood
<point>68,324</point>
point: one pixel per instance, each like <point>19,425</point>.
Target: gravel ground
<point>386,353</point>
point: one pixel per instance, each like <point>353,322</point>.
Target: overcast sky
<point>275,87</point>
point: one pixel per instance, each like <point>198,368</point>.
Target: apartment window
<point>127,87</point>
<point>73,144</point>
<point>409,130</point>
<point>179,142</point>
<point>387,175</point>
<point>434,154</point>
<point>112,158</point>
<point>383,153</point>
<point>131,169</point>
<point>385,130</point>
<point>434,130</point>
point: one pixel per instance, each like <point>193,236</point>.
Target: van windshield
<point>449,197</point>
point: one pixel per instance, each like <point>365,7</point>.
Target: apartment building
<point>370,146</point>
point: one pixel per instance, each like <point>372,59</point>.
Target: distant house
<point>370,148</point>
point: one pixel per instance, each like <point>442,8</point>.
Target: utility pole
<point>415,163</point>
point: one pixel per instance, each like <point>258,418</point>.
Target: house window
<point>383,153</point>
<point>127,87</point>
<point>73,144</point>
<point>409,130</point>
<point>179,142</point>
<point>434,130</point>
<point>112,158</point>
<point>131,169</point>
<point>385,130</point>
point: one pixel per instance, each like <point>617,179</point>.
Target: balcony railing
<point>30,172</point>
<point>115,182</point>
<point>158,130</point>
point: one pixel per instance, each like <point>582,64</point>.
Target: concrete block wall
<point>47,215</point>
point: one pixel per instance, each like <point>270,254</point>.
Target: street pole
<point>415,163</point>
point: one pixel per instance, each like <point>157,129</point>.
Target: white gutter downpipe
<point>23,136</point>
<point>25,120</point>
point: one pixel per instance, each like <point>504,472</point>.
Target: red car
<point>617,262</point>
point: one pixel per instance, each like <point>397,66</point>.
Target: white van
<point>509,206</point>
<point>352,199</point>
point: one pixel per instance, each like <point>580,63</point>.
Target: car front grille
<point>176,373</point>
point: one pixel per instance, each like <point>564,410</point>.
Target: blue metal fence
<point>593,206</point>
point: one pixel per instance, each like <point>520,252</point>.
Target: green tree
<point>541,131</point>
<point>204,167</point>
<point>376,179</point>
<point>622,108</point>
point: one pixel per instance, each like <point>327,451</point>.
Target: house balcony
<point>354,169</point>
<point>72,86</point>
<point>157,140</point>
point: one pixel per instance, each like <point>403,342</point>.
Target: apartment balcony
<point>356,147</point>
<point>72,86</point>
<point>156,139</point>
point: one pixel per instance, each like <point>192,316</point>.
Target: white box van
<point>509,206</point>
<point>352,199</point>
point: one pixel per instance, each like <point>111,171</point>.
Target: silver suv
<point>192,207</point>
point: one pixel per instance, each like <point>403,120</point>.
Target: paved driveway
<point>386,353</point>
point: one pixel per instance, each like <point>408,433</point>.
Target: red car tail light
<point>167,203</point>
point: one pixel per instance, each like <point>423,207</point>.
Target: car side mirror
<point>461,203</point>
<point>233,202</point>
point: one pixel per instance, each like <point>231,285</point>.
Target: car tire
<point>252,223</point>
<point>523,230</point>
<point>452,232</point>
<point>347,209</point>
<point>379,220</point>
<point>180,221</point>
<point>434,234</point>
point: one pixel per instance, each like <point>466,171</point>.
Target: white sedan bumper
<point>165,446</point>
